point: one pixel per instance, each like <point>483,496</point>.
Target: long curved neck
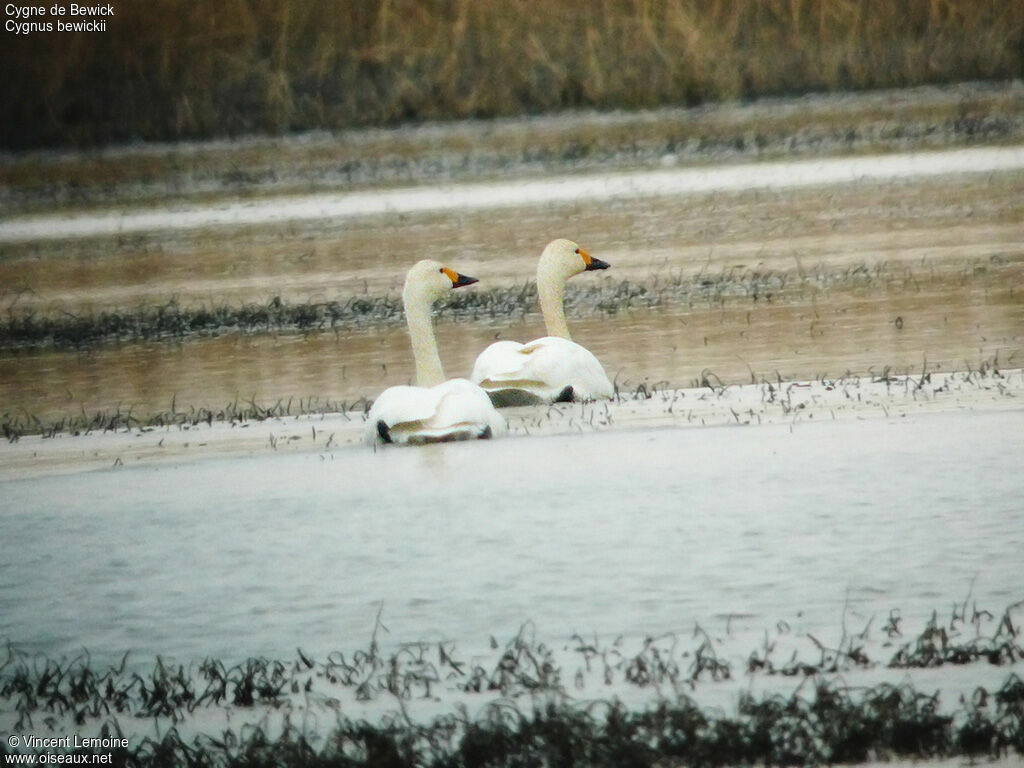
<point>551,291</point>
<point>424,346</point>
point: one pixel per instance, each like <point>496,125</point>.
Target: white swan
<point>554,368</point>
<point>436,410</point>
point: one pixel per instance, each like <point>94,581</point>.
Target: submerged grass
<point>171,69</point>
<point>32,329</point>
<point>535,721</point>
<point>15,425</point>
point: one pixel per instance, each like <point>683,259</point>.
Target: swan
<point>436,410</point>
<point>553,368</point>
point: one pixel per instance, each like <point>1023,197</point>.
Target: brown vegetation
<point>168,69</point>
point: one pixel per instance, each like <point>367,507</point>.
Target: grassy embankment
<point>172,69</point>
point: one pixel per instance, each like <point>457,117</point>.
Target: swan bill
<point>593,264</point>
<point>458,280</point>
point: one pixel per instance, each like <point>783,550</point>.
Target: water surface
<point>627,532</point>
<point>947,328</point>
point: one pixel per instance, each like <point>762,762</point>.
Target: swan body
<point>435,410</point>
<point>553,368</point>
<point>453,410</point>
<point>546,370</point>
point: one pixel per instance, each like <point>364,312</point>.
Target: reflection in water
<point>836,334</point>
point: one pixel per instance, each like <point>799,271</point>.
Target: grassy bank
<point>171,69</point>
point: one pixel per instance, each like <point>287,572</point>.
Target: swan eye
<point>577,250</point>
<point>441,270</point>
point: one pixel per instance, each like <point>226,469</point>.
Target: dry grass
<point>171,69</point>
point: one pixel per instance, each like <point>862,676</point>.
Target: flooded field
<point>795,283</point>
<point>797,493</point>
<point>906,331</point>
<point>655,548</point>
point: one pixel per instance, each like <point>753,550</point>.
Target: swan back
<point>540,371</point>
<point>453,410</point>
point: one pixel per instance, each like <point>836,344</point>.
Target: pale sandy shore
<point>780,402</point>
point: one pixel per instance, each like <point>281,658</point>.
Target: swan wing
<point>454,410</point>
<point>541,370</point>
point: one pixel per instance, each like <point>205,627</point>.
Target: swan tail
<point>566,395</point>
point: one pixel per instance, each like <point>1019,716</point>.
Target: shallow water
<point>936,224</point>
<point>624,532</point>
<point>946,256</point>
<point>842,332</point>
<point>627,532</point>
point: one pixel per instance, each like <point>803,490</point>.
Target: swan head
<point>563,259</point>
<point>429,280</point>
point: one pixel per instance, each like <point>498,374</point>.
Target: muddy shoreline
<point>898,120</point>
<point>820,707</point>
<point>115,440</point>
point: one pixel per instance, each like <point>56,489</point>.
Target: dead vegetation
<point>537,717</point>
<point>173,69</point>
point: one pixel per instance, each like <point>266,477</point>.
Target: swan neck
<point>552,299</point>
<point>429,372</point>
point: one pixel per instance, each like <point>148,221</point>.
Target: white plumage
<point>539,372</point>
<point>553,368</point>
<point>436,410</point>
<point>454,410</point>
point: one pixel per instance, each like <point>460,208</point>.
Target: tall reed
<point>168,69</point>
